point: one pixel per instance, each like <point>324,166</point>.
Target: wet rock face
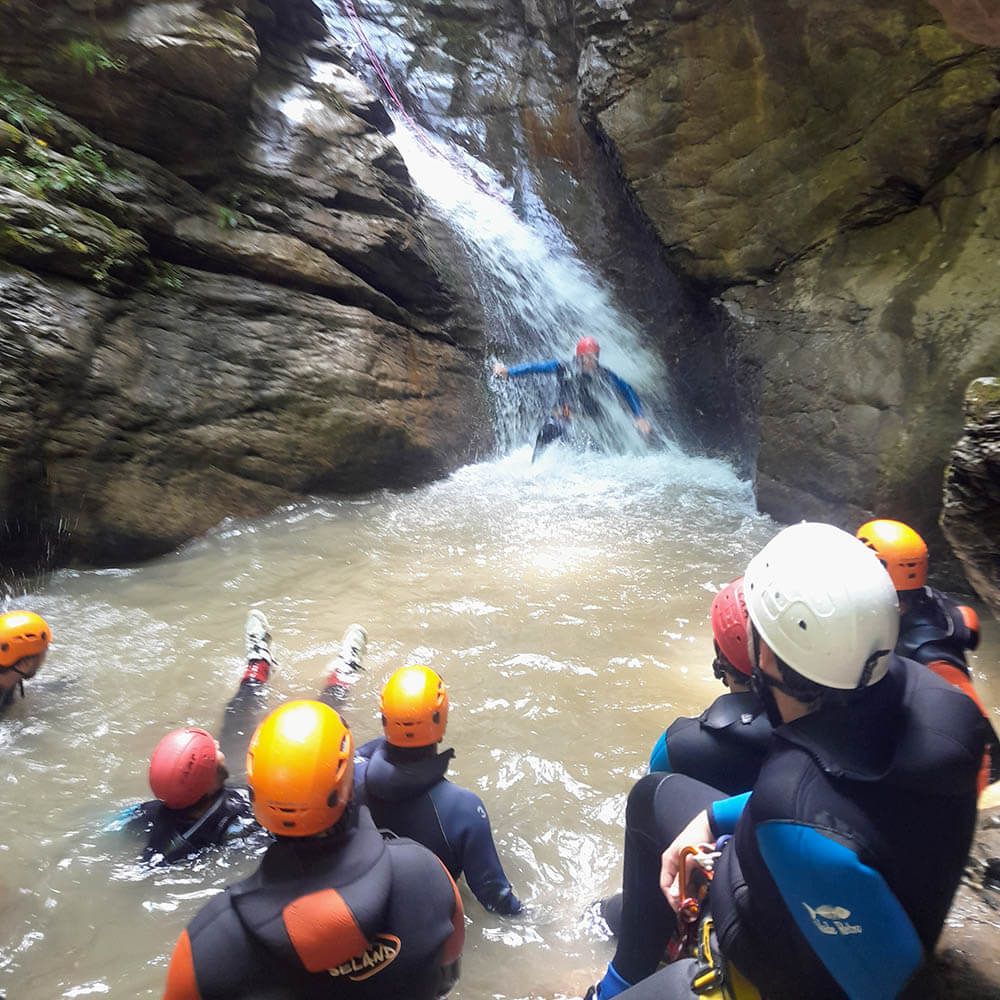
<point>830,171</point>
<point>499,77</point>
<point>971,514</point>
<point>218,292</point>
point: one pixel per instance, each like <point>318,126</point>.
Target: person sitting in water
<point>578,385</point>
<point>194,806</point>
<point>726,745</point>
<point>401,779</point>
<point>844,858</point>
<point>934,629</point>
<point>24,643</point>
<point>333,910</point>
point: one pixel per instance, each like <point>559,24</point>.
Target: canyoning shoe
<point>346,668</point>
<point>257,634</point>
<point>352,646</point>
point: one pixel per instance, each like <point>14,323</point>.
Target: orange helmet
<point>414,707</point>
<point>900,550</point>
<point>22,633</point>
<point>300,767</point>
<point>587,345</point>
<point>184,767</point>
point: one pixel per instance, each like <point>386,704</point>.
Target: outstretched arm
<point>528,368</point>
<point>630,398</point>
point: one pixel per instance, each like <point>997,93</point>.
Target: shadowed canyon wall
<point>218,289</point>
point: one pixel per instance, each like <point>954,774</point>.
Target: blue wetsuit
<point>724,747</point>
<point>844,858</point>
<point>576,387</point>
<point>407,792</point>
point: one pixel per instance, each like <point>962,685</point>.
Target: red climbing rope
<point>380,71</point>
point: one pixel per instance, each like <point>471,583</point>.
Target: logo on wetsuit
<point>832,919</point>
<point>380,953</point>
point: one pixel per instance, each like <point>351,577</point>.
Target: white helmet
<point>824,604</point>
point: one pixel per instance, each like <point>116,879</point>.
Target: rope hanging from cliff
<point>380,71</point>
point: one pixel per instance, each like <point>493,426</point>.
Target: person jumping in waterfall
<point>580,384</point>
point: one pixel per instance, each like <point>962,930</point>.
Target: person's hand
<point>696,832</point>
<point>643,426</point>
<point>500,370</point>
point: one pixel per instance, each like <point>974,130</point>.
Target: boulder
<point>829,171</point>
<point>971,513</point>
<point>194,330</point>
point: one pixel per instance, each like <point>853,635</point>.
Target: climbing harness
<point>682,943</point>
<point>713,978</point>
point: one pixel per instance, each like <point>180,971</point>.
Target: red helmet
<point>587,345</point>
<point>729,625</point>
<point>184,767</point>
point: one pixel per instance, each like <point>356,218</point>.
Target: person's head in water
<point>414,708</point>
<point>730,632</point>
<point>24,641</point>
<point>300,768</point>
<point>823,618</point>
<point>588,353</point>
<point>187,769</point>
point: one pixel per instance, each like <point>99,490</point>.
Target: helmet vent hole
<point>437,718</point>
<point>802,625</point>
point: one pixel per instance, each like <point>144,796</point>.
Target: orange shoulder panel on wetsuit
<point>970,618</point>
<point>323,930</point>
<point>456,942</point>
<point>181,981</point>
<point>953,675</point>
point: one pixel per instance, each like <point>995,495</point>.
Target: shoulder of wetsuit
<point>366,750</point>
<point>935,629</point>
<point>739,708</point>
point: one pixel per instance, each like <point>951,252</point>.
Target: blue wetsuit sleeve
<point>724,814</point>
<point>626,392</point>
<point>659,759</point>
<point>473,839</point>
<point>844,909</point>
<point>534,368</point>
<point>134,818</point>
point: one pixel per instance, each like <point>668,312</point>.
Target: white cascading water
<point>538,297</point>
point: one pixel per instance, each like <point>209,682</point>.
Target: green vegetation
<point>91,57</point>
<point>40,172</point>
<point>22,107</point>
<point>165,277</point>
<point>228,218</point>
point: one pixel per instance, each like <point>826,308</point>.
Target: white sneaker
<point>352,647</point>
<point>257,633</point>
<point>346,668</point>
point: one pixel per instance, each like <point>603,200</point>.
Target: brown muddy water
<point>565,604</point>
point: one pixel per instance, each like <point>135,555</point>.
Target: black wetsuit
<point>323,918</point>
<point>724,747</point>
<point>7,698</point>
<point>174,834</point>
<point>845,856</point>
<point>408,793</point>
<point>933,630</point>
